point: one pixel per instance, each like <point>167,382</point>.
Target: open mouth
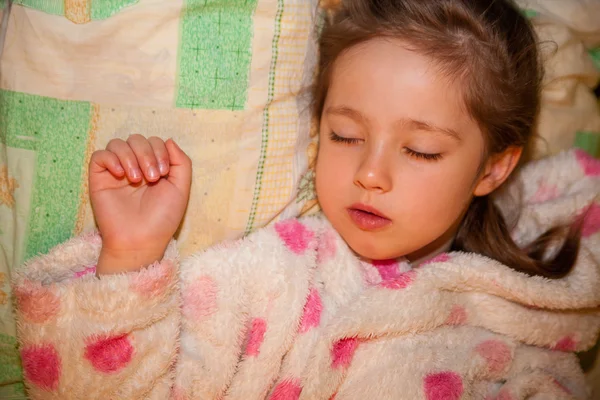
<point>368,218</point>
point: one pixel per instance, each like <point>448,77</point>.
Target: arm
<point>96,338</point>
<point>463,362</point>
<point>113,335</point>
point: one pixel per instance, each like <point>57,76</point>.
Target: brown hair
<point>491,49</point>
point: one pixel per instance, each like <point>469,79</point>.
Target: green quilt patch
<point>56,131</point>
<point>215,54</point>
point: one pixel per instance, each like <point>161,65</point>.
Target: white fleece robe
<point>291,313</point>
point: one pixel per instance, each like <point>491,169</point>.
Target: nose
<point>374,172</point>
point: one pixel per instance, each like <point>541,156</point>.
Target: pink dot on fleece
<point>589,164</point>
<point>312,312</point>
<point>41,365</point>
<point>388,269</point>
<point>288,389</point>
<point>443,386</point>
<point>342,352</point>
<point>86,271</point>
<point>108,354</point>
<point>200,298</point>
<point>36,303</point>
<point>256,337</point>
<point>545,193</point>
<point>153,281</point>
<point>295,235</point>
<point>402,281</point>
<point>591,223</point>
<point>496,353</point>
<point>327,247</point>
<point>439,258</point>
<point>565,344</point>
<point>458,316</point>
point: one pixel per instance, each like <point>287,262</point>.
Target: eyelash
<point>422,156</point>
<point>340,139</point>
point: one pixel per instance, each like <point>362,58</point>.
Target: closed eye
<point>340,139</point>
<point>423,156</point>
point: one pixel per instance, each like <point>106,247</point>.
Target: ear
<point>497,170</point>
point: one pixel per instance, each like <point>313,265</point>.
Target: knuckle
<point>155,139</point>
<point>148,161</point>
<point>135,136</point>
<point>114,143</point>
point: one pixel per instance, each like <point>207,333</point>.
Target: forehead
<point>387,81</point>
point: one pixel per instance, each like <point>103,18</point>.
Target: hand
<point>139,191</point>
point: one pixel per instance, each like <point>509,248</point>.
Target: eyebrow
<point>415,124</point>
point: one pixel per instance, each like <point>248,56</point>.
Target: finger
<point>145,157</point>
<point>103,160</point>
<point>181,166</point>
<point>127,159</point>
<point>161,154</point>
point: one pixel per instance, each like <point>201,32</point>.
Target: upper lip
<point>369,209</point>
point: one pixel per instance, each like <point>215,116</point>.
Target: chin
<point>371,250</point>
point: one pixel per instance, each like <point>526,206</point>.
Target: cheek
<point>333,178</point>
<point>438,196</point>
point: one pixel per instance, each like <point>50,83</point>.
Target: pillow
<point>222,77</point>
<point>569,32</point>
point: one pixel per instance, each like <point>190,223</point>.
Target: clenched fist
<point>139,191</point>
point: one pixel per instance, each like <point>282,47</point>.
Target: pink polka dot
<point>86,271</point>
<point>200,298</point>
<point>36,303</point>
<point>545,192</point>
<point>153,281</point>
<point>108,354</point>
<point>458,316</point>
<point>288,389</point>
<point>343,351</point>
<point>439,258</point>
<point>327,247</point>
<point>565,344</point>
<point>388,269</point>
<point>41,365</point>
<point>496,353</point>
<point>402,281</point>
<point>256,337</point>
<point>312,312</point>
<point>591,222</point>
<point>443,386</point>
<point>295,235</point>
<point>589,164</point>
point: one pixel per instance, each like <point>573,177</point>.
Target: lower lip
<point>367,221</point>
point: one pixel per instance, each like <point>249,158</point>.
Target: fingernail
<point>163,168</point>
<point>135,173</point>
<point>153,173</point>
<point>119,169</point>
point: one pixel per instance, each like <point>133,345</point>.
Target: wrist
<point>114,261</point>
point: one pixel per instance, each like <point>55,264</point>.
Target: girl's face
<point>399,156</point>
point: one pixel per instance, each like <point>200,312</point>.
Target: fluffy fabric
<point>291,313</point>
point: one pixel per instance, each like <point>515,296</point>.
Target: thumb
<point>180,172</point>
